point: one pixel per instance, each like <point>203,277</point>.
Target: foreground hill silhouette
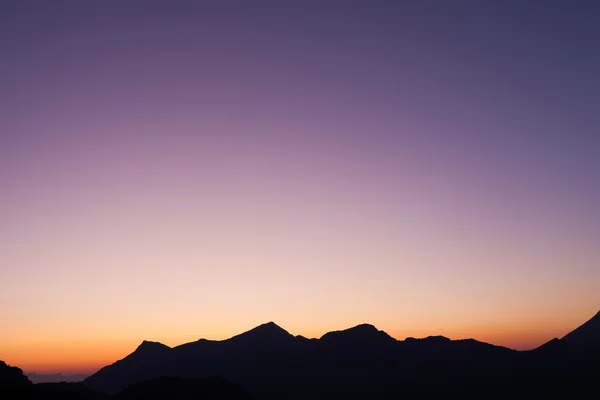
<point>364,362</point>
<point>15,385</point>
<point>12,377</point>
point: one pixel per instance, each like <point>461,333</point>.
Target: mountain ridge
<point>267,358</point>
<point>267,362</point>
<point>266,348</point>
<point>271,328</point>
<point>268,330</point>
<point>362,328</point>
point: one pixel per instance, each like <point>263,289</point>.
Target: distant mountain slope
<point>587,334</point>
<point>150,360</point>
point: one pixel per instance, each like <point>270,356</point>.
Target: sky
<point>177,170</point>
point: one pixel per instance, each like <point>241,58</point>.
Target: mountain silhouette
<point>363,362</point>
<point>155,347</point>
<point>12,377</point>
<point>587,334</point>
<point>360,334</point>
<point>269,330</point>
<point>267,362</point>
<point>269,334</point>
<point>553,347</point>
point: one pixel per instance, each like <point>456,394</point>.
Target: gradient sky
<point>175,170</point>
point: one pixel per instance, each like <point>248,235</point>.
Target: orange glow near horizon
<point>85,356</point>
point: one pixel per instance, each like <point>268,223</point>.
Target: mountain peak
<point>268,331</point>
<point>148,345</point>
<point>438,338</point>
<point>361,332</point>
<point>365,327</point>
<point>270,327</point>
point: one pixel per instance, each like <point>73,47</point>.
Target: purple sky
<point>428,167</point>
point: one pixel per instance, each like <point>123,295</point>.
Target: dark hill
<point>360,334</point>
<point>587,334</point>
<point>13,383</point>
<point>152,347</point>
<point>12,377</point>
<point>269,332</point>
<point>149,360</point>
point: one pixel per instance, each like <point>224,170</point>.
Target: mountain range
<point>359,362</point>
